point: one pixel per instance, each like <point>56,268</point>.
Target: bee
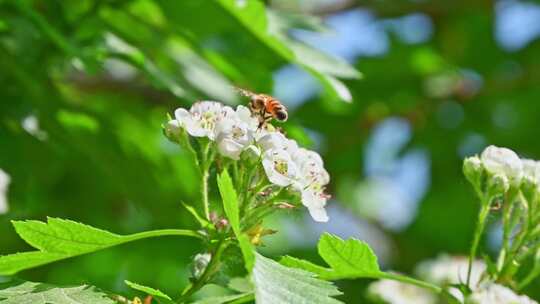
<point>265,107</point>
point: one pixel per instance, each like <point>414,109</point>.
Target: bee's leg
<point>267,117</point>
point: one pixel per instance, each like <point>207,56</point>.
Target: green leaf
<point>13,263</point>
<point>148,290</point>
<point>39,293</point>
<point>241,285</point>
<point>272,30</point>
<point>61,239</point>
<point>275,283</point>
<point>253,17</point>
<point>321,272</point>
<point>350,258</point>
<point>223,299</point>
<point>230,200</point>
<point>64,236</point>
<point>202,221</point>
<point>347,259</point>
<point>230,205</point>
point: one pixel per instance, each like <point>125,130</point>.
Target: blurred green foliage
<point>101,75</point>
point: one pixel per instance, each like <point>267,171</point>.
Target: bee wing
<point>244,92</point>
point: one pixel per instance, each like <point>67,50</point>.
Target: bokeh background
<point>393,94</point>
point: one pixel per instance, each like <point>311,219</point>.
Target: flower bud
<point>200,262</point>
<point>531,179</point>
<point>497,185</point>
<point>173,130</point>
<point>251,154</point>
<point>505,162</point>
<point>473,169</point>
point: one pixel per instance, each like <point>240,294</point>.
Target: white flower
<point>279,167</point>
<point>276,140</point>
<point>4,183</point>
<point>393,292</point>
<point>245,115</point>
<point>531,170</point>
<point>235,133</point>
<point>312,181</point>
<point>200,262</point>
<point>503,161</point>
<point>447,269</point>
<point>472,168</point>
<point>497,294</point>
<point>201,119</point>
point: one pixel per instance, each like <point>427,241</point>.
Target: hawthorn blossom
<point>497,294</point>
<point>394,292</point>
<point>235,132</point>
<point>279,167</point>
<point>312,182</point>
<point>276,140</point>
<point>503,161</point>
<point>201,119</point>
<point>4,183</point>
<point>531,170</point>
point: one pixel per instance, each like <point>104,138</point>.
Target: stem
<point>205,167</point>
<point>246,184</point>
<point>514,251</point>
<point>262,186</point>
<point>520,239</point>
<point>484,211</point>
<point>204,192</point>
<point>528,279</point>
<point>207,274</point>
<point>162,232</point>
<point>507,230</point>
<point>412,281</point>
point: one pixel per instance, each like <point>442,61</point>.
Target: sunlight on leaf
<point>61,239</point>
<point>347,259</point>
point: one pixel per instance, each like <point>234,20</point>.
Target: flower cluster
<point>504,168</point>
<point>450,270</point>
<point>447,271</point>
<point>236,132</point>
<point>495,294</point>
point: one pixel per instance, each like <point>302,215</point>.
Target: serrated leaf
<point>275,283</point>
<point>321,272</point>
<point>148,290</point>
<point>61,239</point>
<point>347,259</point>
<point>13,263</point>
<point>39,293</point>
<point>230,205</point>
<point>350,258</point>
<point>64,236</point>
